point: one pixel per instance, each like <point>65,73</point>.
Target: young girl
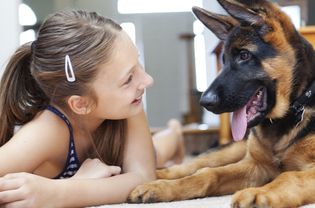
<point>76,94</point>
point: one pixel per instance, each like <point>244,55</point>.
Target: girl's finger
<point>9,184</point>
<point>10,196</point>
<point>114,170</point>
<point>16,204</point>
<point>15,175</point>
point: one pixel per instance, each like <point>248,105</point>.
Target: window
<point>294,12</point>
<point>200,57</point>
<point>156,6</point>
<point>27,17</point>
<point>297,10</point>
<point>130,29</point>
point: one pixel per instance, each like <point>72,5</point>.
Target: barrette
<point>69,70</point>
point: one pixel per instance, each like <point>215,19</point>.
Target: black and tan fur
<point>275,166</point>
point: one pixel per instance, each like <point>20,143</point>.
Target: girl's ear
<point>79,104</point>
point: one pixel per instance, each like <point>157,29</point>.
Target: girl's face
<point>121,82</point>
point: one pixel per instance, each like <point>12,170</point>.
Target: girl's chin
<point>137,108</point>
<point>126,113</point>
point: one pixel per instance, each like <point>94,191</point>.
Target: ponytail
<point>20,96</point>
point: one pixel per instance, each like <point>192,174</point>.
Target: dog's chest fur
<point>283,150</point>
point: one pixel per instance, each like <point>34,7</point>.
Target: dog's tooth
<point>253,110</point>
<point>258,96</point>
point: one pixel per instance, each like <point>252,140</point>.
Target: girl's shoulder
<point>47,129</point>
<point>47,123</point>
<point>44,138</point>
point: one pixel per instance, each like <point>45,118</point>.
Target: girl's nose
<point>146,81</point>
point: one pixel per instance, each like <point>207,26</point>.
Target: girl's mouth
<point>137,100</point>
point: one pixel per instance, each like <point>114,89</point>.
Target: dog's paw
<point>173,172</point>
<point>255,197</point>
<point>148,193</point>
<point>163,174</point>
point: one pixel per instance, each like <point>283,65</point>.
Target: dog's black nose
<point>209,100</point>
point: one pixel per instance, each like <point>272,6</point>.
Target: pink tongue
<point>239,124</point>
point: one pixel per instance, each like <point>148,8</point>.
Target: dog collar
<point>298,107</point>
<point>298,112</point>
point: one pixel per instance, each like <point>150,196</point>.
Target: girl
<point>76,91</point>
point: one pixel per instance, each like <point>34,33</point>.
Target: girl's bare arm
<point>139,153</point>
<point>139,167</point>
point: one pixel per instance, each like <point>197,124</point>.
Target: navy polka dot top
<point>73,163</point>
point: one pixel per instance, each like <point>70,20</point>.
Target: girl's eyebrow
<point>129,71</point>
<point>122,80</point>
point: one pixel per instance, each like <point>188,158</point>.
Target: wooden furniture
<point>199,138</point>
<point>307,32</point>
<point>194,114</point>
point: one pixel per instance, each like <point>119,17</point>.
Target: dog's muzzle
<point>210,101</point>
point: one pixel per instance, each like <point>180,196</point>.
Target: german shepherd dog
<point>267,81</point>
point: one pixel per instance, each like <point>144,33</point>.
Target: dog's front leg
<point>290,189</point>
<point>205,182</point>
<point>227,155</point>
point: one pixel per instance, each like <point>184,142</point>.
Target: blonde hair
<point>35,75</point>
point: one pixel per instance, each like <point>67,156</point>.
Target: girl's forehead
<point>124,56</point>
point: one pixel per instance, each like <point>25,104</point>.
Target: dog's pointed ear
<point>242,13</point>
<point>220,25</point>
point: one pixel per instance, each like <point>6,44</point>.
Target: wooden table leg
<point>225,129</point>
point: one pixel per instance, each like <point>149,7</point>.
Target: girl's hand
<point>25,190</point>
<point>94,168</point>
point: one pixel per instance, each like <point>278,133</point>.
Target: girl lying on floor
<point>77,93</point>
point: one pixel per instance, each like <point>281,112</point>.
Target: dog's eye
<point>244,55</point>
<point>223,58</point>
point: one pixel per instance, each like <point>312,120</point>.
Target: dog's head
<point>258,62</point>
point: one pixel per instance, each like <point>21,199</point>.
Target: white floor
<point>209,202</point>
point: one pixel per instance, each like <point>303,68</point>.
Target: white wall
<point>165,56</point>
<point>10,29</point>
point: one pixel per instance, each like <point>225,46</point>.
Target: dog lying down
<point>267,81</point>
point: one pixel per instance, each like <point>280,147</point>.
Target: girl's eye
<point>129,79</point>
<point>244,55</point>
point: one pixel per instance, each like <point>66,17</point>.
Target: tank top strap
<point>72,163</point>
<point>62,116</point>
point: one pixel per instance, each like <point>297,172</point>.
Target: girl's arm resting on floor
<point>31,191</point>
<point>88,192</point>
<point>139,167</point>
